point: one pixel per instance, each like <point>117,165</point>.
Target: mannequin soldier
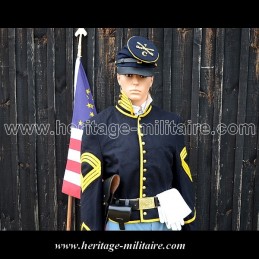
<point>156,188</point>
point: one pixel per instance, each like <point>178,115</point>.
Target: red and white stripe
<point>72,179</point>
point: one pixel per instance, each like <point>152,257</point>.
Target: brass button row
<point>144,169</point>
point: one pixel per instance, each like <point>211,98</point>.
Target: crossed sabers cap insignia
<point>146,50</point>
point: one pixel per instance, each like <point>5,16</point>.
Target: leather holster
<point>120,214</point>
<point>110,185</point>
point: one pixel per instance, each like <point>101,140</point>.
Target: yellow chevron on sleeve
<point>93,174</point>
<point>185,166</point>
<point>85,227</point>
<point>90,158</point>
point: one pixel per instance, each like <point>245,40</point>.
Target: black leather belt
<point>139,203</point>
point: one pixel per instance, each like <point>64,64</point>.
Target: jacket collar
<point>138,110</point>
<point>125,106</point>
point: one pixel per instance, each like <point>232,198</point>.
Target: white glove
<point>177,224</point>
<point>173,209</point>
<point>163,218</point>
<point>171,223</point>
<point>161,214</point>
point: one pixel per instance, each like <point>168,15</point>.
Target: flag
<point>83,109</point>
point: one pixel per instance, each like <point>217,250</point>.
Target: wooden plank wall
<point>207,75</point>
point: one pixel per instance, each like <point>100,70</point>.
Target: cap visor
<point>135,71</point>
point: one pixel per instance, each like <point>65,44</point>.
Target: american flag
<point>84,109</point>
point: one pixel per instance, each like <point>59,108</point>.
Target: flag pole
<point>69,212</point>
<point>79,32</point>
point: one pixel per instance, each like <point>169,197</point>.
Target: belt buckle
<point>146,203</point>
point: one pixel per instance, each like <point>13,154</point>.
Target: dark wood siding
<point>207,75</point>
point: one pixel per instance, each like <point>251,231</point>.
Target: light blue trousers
<point>154,226</point>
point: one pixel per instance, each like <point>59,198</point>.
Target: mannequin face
<point>136,87</point>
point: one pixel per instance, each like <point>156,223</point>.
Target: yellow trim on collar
<point>125,113</point>
<point>126,103</point>
<point>134,116</point>
<point>146,112</point>
<point>125,106</point>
